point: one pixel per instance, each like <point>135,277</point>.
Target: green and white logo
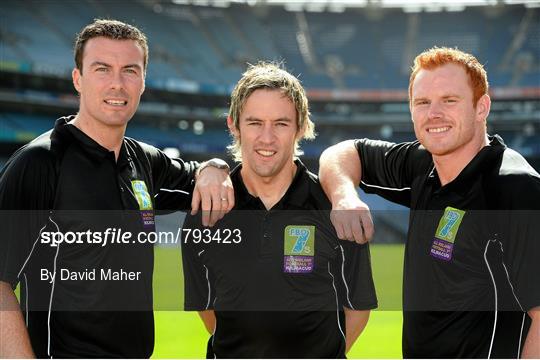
<point>300,240</point>
<point>141,194</point>
<point>449,224</point>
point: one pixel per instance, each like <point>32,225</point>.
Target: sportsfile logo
<point>299,249</point>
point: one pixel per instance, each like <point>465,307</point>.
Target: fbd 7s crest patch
<point>442,246</point>
<point>299,249</point>
<point>145,203</point>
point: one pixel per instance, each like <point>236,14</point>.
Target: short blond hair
<point>272,76</point>
<point>439,56</point>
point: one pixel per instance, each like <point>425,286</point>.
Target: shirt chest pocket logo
<point>299,249</point>
<point>141,194</point>
<point>442,246</point>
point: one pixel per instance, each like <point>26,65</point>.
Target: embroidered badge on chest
<point>145,202</point>
<point>442,246</point>
<point>299,249</point>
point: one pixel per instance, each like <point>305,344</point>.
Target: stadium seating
<point>210,46</point>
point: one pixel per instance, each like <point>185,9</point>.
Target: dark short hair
<point>111,29</point>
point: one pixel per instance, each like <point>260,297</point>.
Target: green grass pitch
<point>182,335</point>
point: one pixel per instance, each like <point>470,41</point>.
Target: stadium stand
<point>210,45</point>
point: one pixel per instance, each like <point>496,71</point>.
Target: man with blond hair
<point>283,286</point>
<point>471,256</point>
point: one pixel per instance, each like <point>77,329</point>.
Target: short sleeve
<point>521,240</point>
<point>389,169</point>
<point>198,281</point>
<point>355,286</point>
<point>27,184</point>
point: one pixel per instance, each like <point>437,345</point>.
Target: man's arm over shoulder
<point>380,167</point>
<point>180,185</point>
<point>339,175</point>
<point>340,170</point>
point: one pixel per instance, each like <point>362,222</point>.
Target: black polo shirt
<point>279,292</point>
<point>64,181</point>
<point>472,248</point>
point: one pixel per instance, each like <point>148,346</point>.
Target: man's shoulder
<point>39,153</point>
<point>142,146</point>
<point>404,161</point>
<point>311,177</point>
<point>515,181</point>
<point>409,146</point>
<point>316,193</point>
<point>28,179</point>
<point>514,164</point>
<point>145,153</point>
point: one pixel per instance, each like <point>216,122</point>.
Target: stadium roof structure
<point>342,5</point>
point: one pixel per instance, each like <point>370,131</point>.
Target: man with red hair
<point>472,246</point>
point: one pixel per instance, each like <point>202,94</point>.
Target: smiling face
<point>446,122</point>
<point>112,82</point>
<point>267,132</point>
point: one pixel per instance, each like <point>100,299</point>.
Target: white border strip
<point>384,188</point>
<point>51,298</point>
<point>343,277</point>
<point>209,289</point>
<point>495,288</point>
<point>207,282</point>
<point>173,191</point>
<point>32,250</point>
<point>26,297</point>
<point>337,304</point>
<point>519,303</point>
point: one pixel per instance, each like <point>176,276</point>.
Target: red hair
<point>439,56</point>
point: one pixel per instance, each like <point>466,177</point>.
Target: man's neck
<point>269,189</point>
<point>110,137</point>
<point>449,166</point>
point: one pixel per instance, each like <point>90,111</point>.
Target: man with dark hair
<point>281,285</point>
<point>110,29</point>
<point>471,258</point>
<point>85,297</point>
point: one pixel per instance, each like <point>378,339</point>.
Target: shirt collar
<point>482,162</point>
<point>97,152</point>
<point>296,195</point>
